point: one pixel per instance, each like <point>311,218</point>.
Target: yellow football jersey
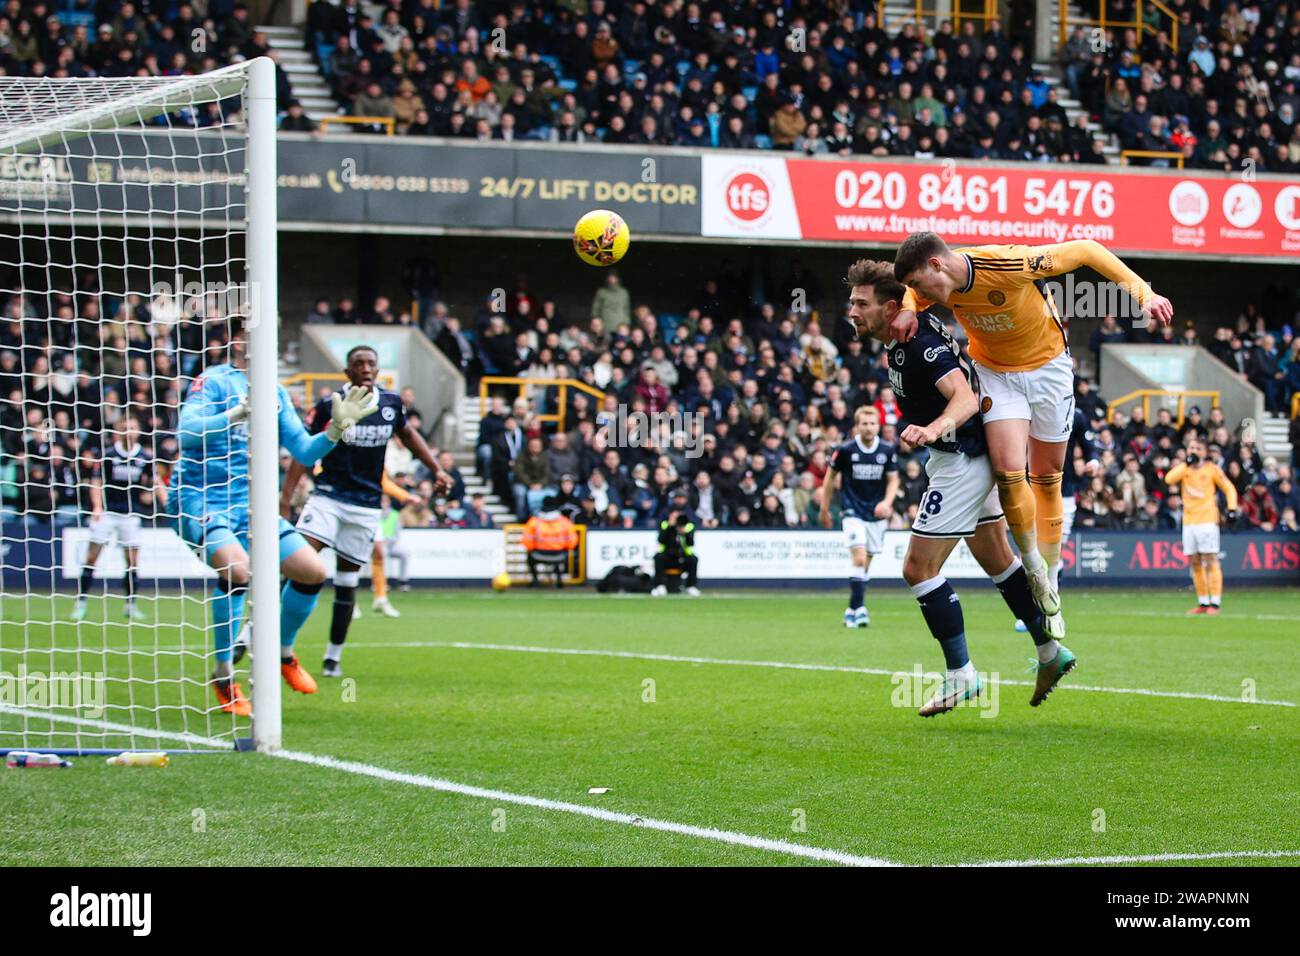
<point>1007,311</point>
<point>1200,504</point>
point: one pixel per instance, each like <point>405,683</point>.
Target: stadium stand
<point>1215,88</point>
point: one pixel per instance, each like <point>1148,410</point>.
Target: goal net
<point>137,227</point>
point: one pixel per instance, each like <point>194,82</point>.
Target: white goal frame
<point>34,113</point>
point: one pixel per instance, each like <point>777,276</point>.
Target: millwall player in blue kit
<point>938,393</point>
<point>866,470</point>
<point>209,487</point>
<point>343,511</point>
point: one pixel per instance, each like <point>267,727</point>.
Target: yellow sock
<point>1018,505</point>
<point>1216,584</point>
<point>1200,583</point>
<point>378,580</point>
<point>1049,511</point>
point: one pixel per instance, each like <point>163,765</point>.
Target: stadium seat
<point>763,141</point>
<point>568,84</point>
<point>749,92</point>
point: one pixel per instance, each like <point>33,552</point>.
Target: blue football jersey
<point>865,470</point>
<point>915,368</point>
<point>353,471</point>
<point>211,473</point>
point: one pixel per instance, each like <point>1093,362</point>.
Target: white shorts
<point>348,529</point>
<point>1200,539</point>
<point>961,496</point>
<point>1043,396</point>
<point>110,525</point>
<point>865,534</point>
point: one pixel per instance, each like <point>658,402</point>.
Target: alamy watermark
<point>205,300</point>
<point>83,691</point>
<point>654,430</point>
<point>914,688</point>
<point>1089,299</point>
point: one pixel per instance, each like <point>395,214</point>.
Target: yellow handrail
<point>988,13</point>
<point>388,122</point>
<point>563,384</point>
<point>1146,394</point>
<point>1064,21</point>
<point>1126,154</point>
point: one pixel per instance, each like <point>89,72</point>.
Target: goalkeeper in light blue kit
<point>209,488</point>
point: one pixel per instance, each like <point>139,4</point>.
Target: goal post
<point>137,222</point>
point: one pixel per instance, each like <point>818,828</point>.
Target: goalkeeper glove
<point>238,412</point>
<point>350,408</point>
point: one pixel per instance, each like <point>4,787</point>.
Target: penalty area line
<point>730,837</point>
<point>1144,858</point>
<point>596,813</point>
<point>790,665</point>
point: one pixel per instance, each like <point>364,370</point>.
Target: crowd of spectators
<point>134,38</point>
<point>821,76</point>
<point>754,406</point>
<point>750,408</point>
<point>74,367</point>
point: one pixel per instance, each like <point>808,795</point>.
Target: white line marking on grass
<point>109,726</point>
<point>626,819</point>
<point>500,796</point>
<point>595,813</point>
<point>1147,858</point>
<point>789,665</point>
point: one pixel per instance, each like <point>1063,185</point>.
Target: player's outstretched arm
<point>1175,474</point>
<point>412,439</point>
<point>306,448</point>
<point>1063,257</point>
<point>202,416</point>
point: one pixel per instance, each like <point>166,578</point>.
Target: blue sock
<point>1015,591</point>
<point>227,614</point>
<point>297,601</point>
<point>857,592</point>
<point>942,613</point>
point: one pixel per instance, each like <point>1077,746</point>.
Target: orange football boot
<point>296,676</point>
<point>231,697</point>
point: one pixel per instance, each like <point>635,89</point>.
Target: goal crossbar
<point>36,113</point>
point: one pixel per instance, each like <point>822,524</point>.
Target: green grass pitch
<point>811,757</point>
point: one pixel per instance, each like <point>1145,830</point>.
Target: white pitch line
<point>500,796</point>
<point>730,837</point>
<point>789,665</point>
<point>1146,858</point>
<point>596,813</point>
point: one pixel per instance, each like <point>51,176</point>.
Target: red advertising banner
<point>975,203</point>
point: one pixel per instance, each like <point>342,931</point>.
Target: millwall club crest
<point>880,459</point>
<point>388,413</point>
<point>899,356</point>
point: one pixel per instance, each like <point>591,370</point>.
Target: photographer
<point>676,552</point>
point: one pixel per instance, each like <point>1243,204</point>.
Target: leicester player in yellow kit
<point>1201,480</point>
<point>1018,344</point>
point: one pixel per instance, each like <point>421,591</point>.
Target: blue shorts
<point>212,532</point>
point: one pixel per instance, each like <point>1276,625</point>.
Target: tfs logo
<point>748,196</point>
